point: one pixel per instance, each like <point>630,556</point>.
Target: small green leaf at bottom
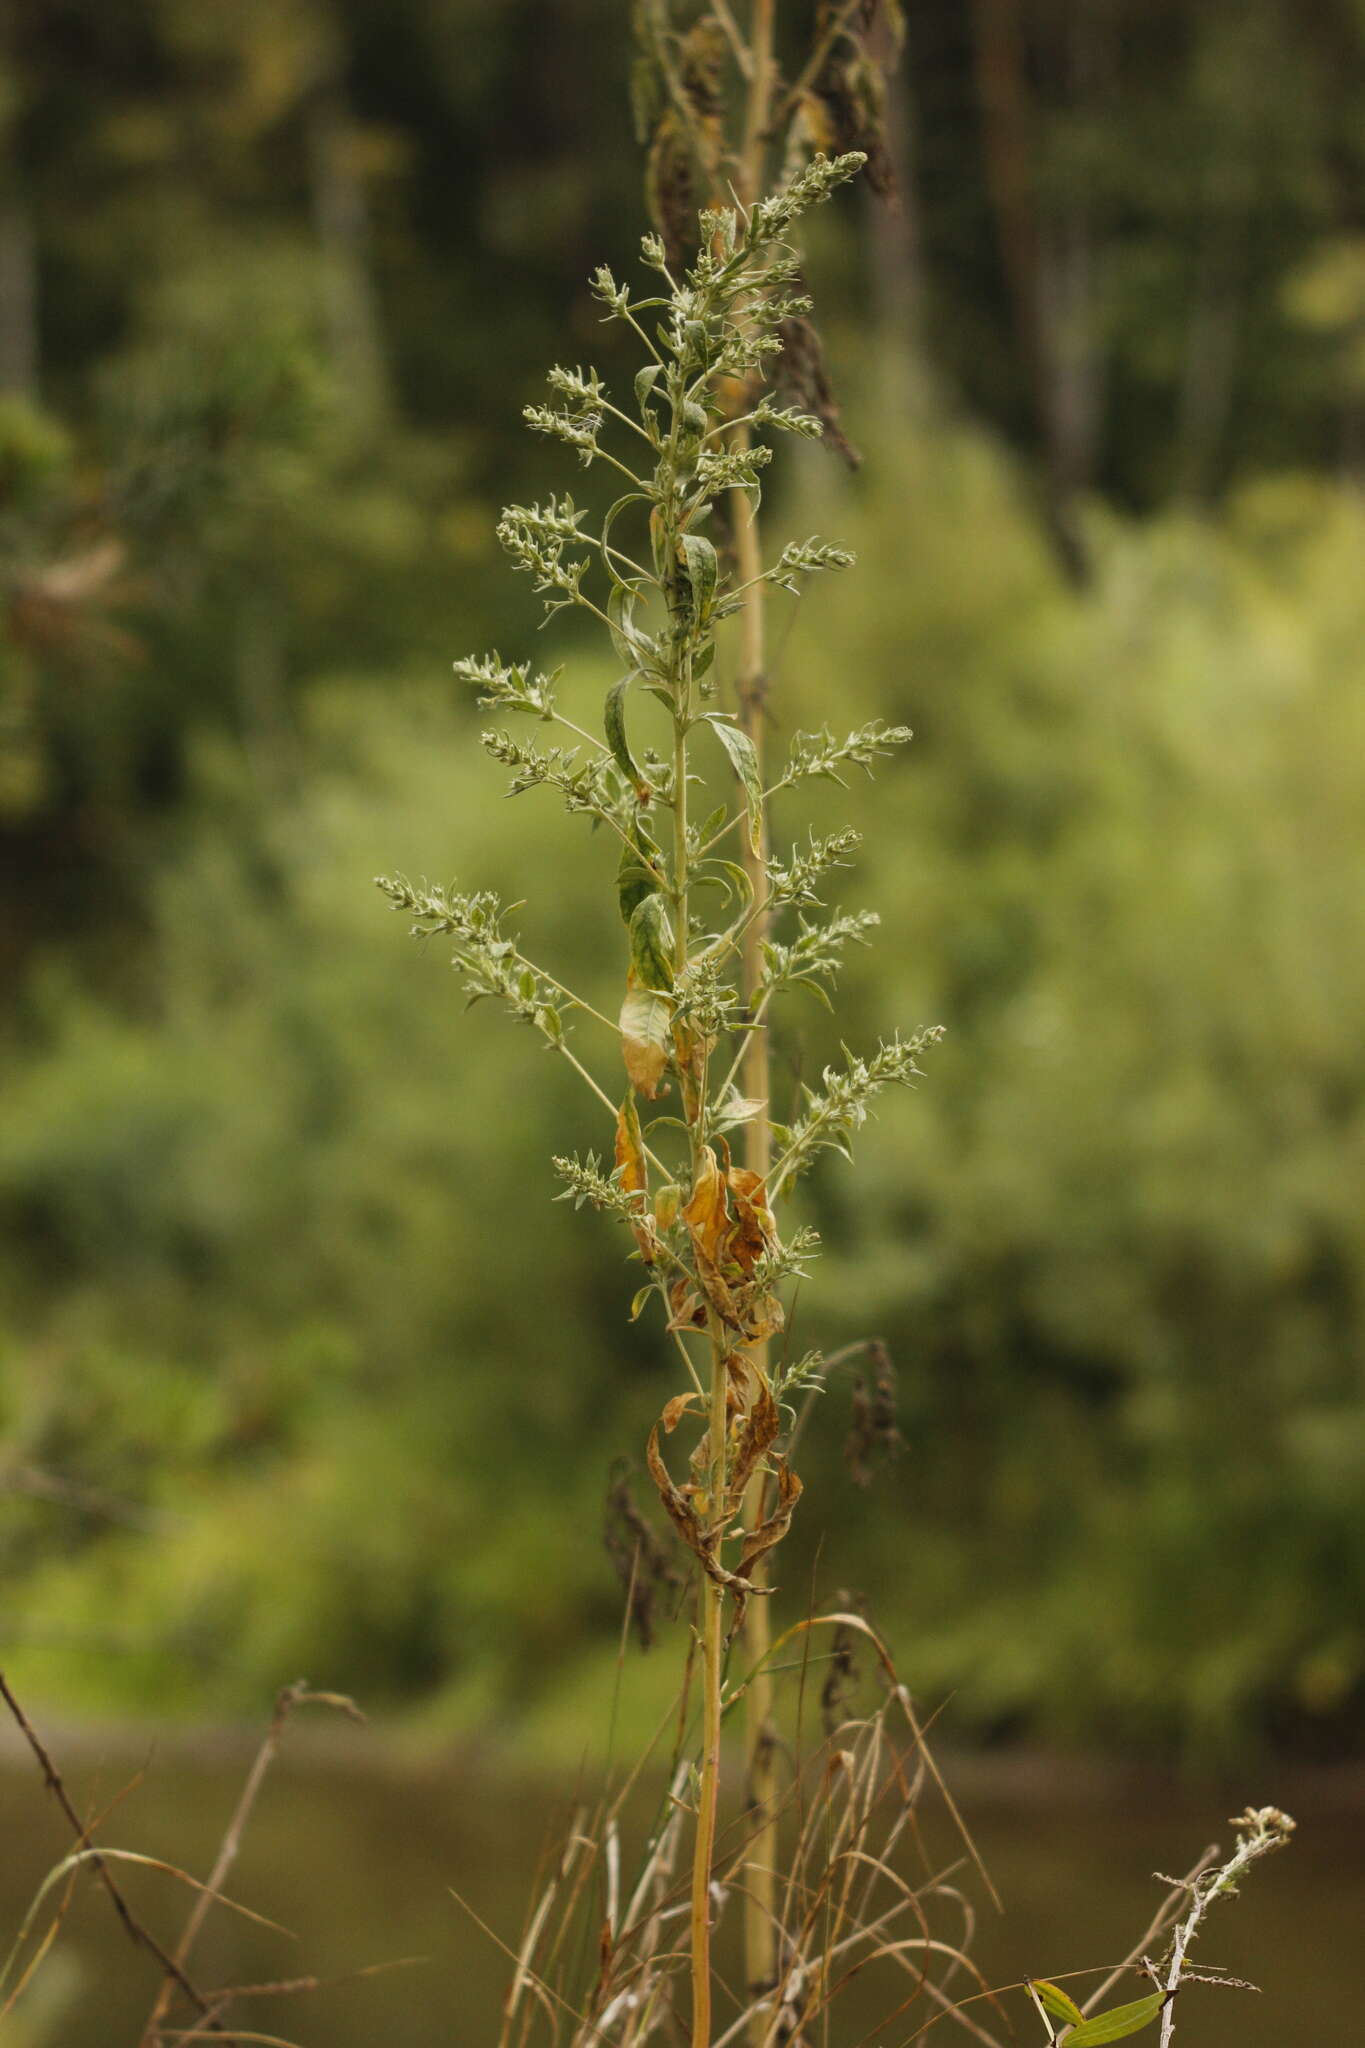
<point>1118,2023</point>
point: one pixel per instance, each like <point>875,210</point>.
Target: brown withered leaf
<point>676,1409</point>
<point>741,1372</point>
<point>764,1317</point>
<point>873,1430</point>
<point>689,1310</point>
<point>803,381</point>
<point>846,107</point>
<point>756,1232</point>
<point>756,1438</point>
<point>671,193</point>
<point>684,1519</point>
<point>761,1540</point>
<point>841,1679</point>
<point>732,1228</point>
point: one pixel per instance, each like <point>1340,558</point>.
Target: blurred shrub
<point>268,1221</point>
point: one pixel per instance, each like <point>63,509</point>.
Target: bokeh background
<point>303,1367</point>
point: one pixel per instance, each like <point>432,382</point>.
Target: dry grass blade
<point>201,2032</point>
<point>97,1857</point>
<point>44,1946</point>
<point>851,1908</point>
<point>292,1987</point>
<point>291,1696</point>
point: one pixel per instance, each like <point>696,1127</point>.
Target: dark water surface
<point>357,1849</point>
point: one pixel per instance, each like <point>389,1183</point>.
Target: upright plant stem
<point>712,1595</point>
<point>713,1650</point>
<point>760,1895</point>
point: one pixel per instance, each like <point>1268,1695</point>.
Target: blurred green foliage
<point>286,1273</point>
<point>304,1369</point>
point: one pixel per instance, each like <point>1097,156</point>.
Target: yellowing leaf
<point>630,1156</point>
<point>1055,2001</point>
<point>645,1020</point>
<point>705,1213</point>
<point>631,1176</point>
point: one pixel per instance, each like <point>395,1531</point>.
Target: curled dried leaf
<point>688,1310</point>
<point>676,1409</point>
<point>756,1438</point>
<point>705,1212</point>
<point>702,1543</point>
<point>769,1533</point>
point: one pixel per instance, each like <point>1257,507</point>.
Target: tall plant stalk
<point>703,898</point>
<point>760,1895</point>
<point>836,97</point>
<point>706,1230</point>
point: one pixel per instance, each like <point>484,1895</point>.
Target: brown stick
<point>136,1931</point>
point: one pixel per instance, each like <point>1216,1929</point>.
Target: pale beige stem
<point>713,1652</point>
<point>761,1887</point>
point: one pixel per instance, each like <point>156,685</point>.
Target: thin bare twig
<point>133,1926</point>
<point>1160,1921</point>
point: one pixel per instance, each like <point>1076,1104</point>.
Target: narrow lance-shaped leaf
<point>744,761</point>
<point>630,1171</point>
<point>700,568</point>
<point>1118,2023</point>
<point>614,720</point>
<point>630,643</point>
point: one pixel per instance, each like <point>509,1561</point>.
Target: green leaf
<point>651,944</point>
<point>729,876</point>
<point>633,646</point>
<point>634,880</point>
<point>619,582</point>
<point>1055,2001</point>
<point>640,1302</point>
<point>744,760</point>
<point>614,720</point>
<point>1118,2023</point>
<point>644,384</point>
<point>701,569</point>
